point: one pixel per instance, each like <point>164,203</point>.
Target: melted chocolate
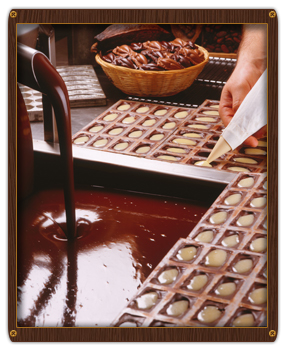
<point>87,282</point>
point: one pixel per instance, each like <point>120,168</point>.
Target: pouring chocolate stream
<point>36,71</point>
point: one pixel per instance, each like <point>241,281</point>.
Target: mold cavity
<point>129,120</point>
<point>169,125</point>
<point>197,282</point>
<point>157,137</point>
<point>225,289</point>
<point>258,202</point>
<point>100,143</point>
<point>246,220</point>
<point>187,253</point>
<point>149,122</point>
<point>246,182</point>
<point>81,140</point>
<point>136,134</point>
<point>121,146</point>
<point>124,107</point>
<point>177,308</point>
<point>147,300</point>
<point>245,160</point>
<point>142,109</point>
<point>232,199</point>
<point>96,128</point>
<point>143,149</point>
<point>258,245</point>
<point>210,112</point>
<point>192,135</point>
<point>216,258</point>
<point>205,119</point>
<point>254,151</point>
<point>244,320</point>
<point>161,112</point>
<point>181,114</point>
<point>177,150</point>
<point>205,237</point>
<point>198,126</point>
<point>110,117</point>
<point>243,266</point>
<point>218,217</point>
<point>182,141</point>
<point>258,296</point>
<point>230,241</point>
<point>209,314</point>
<point>116,131</point>
<point>168,276</point>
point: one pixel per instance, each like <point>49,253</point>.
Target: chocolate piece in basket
<point>123,50</point>
<point>153,55</point>
<point>152,45</point>
<point>136,46</point>
<point>139,59</point>
<point>180,43</point>
<point>151,67</point>
<point>110,57</point>
<point>194,56</point>
<point>168,64</point>
<point>124,62</point>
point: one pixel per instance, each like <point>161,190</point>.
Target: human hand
<point>237,87</point>
<point>251,63</point>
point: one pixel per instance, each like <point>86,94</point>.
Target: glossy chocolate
<point>121,237</point>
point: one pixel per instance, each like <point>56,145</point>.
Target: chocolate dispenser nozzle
<point>220,149</point>
<point>250,117</point>
<point>25,68</point>
<point>35,70</point>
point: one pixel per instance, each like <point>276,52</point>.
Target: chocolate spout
<point>36,71</point>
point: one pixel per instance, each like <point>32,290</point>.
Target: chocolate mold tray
<point>217,276</point>
<point>83,87</point>
<point>168,133</point>
<point>33,102</point>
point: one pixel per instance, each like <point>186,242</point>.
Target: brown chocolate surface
<point>121,237</point>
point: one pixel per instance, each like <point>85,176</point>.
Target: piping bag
<point>248,119</point>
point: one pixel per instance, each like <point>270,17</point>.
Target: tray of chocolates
<point>217,275</point>
<point>169,133</point>
<point>83,87</point>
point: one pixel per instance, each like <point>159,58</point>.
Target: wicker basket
<point>152,83</point>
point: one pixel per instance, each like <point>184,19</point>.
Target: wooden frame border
<point>261,334</point>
